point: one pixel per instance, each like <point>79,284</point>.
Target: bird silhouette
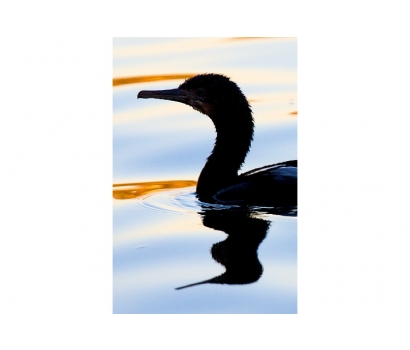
<point>224,103</point>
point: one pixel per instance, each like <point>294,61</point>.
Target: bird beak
<point>186,97</point>
<point>171,95</point>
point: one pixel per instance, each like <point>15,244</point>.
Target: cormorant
<point>222,100</point>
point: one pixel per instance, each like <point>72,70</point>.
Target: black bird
<point>222,100</point>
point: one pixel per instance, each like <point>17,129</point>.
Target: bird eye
<point>200,92</point>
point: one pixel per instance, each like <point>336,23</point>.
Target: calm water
<point>164,238</point>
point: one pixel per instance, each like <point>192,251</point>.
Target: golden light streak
<point>148,78</point>
<point>138,189</point>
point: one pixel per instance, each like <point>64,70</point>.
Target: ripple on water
<point>179,197</point>
<point>180,201</point>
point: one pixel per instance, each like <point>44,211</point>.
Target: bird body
<point>224,103</point>
<point>271,185</point>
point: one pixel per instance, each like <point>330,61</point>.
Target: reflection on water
<point>246,228</point>
<point>237,253</point>
<point>240,259</point>
<point>134,190</point>
<point>148,78</point>
<point>241,38</point>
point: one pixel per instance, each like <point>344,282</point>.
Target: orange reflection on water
<point>147,78</point>
<point>138,189</point>
<point>259,37</point>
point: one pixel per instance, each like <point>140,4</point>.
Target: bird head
<point>207,93</point>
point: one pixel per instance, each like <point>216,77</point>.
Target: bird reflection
<point>244,225</point>
<point>238,252</point>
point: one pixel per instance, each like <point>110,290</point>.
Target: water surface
<point>229,259</point>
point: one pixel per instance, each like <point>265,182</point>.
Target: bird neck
<point>234,135</point>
